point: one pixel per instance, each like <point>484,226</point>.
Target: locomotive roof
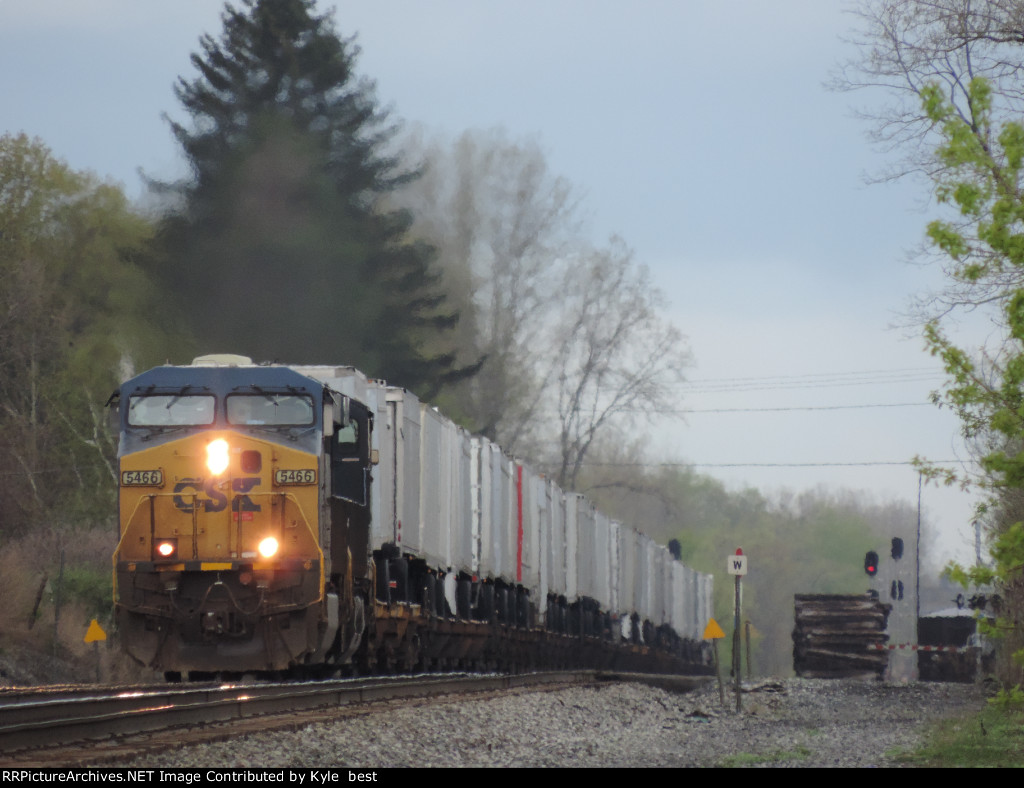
<point>220,378</point>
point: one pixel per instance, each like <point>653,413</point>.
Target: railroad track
<point>62,727</point>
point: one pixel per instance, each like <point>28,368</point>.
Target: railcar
<point>308,519</point>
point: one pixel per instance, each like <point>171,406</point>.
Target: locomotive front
<point>219,564</point>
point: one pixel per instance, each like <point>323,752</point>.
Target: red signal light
<point>871,563</point>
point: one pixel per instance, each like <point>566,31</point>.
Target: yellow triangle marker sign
<point>95,632</point>
<point>712,631</point>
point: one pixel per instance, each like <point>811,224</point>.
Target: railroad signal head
<point>897,548</point>
<point>871,563</point>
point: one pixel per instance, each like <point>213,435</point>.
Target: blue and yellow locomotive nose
<point>218,496</point>
<point>219,548</point>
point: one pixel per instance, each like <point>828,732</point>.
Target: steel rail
<point>66,720</point>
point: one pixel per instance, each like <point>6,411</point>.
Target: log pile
<point>835,635</point>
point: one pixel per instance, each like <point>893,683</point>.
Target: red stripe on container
<point>519,515</point>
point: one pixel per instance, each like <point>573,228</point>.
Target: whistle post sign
<point>737,564</point>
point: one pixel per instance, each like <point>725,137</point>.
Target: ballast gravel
<point>790,723</point>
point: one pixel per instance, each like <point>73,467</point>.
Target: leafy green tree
<point>73,306</point>
<point>906,47</point>
<point>981,179</point>
<point>953,71</point>
<point>280,247</point>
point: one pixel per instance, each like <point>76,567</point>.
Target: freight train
<point>308,519</point>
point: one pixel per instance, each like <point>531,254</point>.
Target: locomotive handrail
<point>148,497</point>
<point>124,531</point>
<point>287,496</point>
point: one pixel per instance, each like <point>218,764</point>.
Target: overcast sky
<point>698,131</point>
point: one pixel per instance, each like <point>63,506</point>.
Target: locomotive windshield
<point>170,410</point>
<point>270,409</point>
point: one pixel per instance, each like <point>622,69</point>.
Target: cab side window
<point>350,453</point>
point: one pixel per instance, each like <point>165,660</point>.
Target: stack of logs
<point>836,635</point>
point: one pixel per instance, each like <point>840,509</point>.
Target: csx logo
<point>215,500</point>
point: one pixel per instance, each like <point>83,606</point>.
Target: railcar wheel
<point>485,603</point>
<point>501,605</point>
<point>463,599</point>
<point>429,600</point>
<point>442,602</point>
<point>410,655</point>
<point>523,609</point>
<point>398,580</point>
<point>386,661</point>
<point>382,566</point>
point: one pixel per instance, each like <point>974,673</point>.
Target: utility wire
<point>767,464</point>
<point>810,375</point>
<point>789,386</point>
<point>802,407</point>
<point>812,380</point>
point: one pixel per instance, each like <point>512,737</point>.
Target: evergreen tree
<point>280,247</point>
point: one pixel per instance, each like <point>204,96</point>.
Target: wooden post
<point>56,602</point>
<point>718,674</point>
<point>39,599</point>
<point>749,675</point>
<point>714,633</point>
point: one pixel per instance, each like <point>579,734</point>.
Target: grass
<point>993,737</point>
<point>755,759</point>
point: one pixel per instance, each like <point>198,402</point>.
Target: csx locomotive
<point>309,519</point>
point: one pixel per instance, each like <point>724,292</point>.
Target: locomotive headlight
<point>217,456</point>
<point>268,547</point>
<point>166,548</point>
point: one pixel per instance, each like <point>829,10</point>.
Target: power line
<point>856,373</point>
<point>812,380</point>
<point>770,464</point>
<point>789,386</point>
<point>807,407</point>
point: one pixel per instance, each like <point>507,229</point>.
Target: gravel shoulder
<point>791,723</point>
